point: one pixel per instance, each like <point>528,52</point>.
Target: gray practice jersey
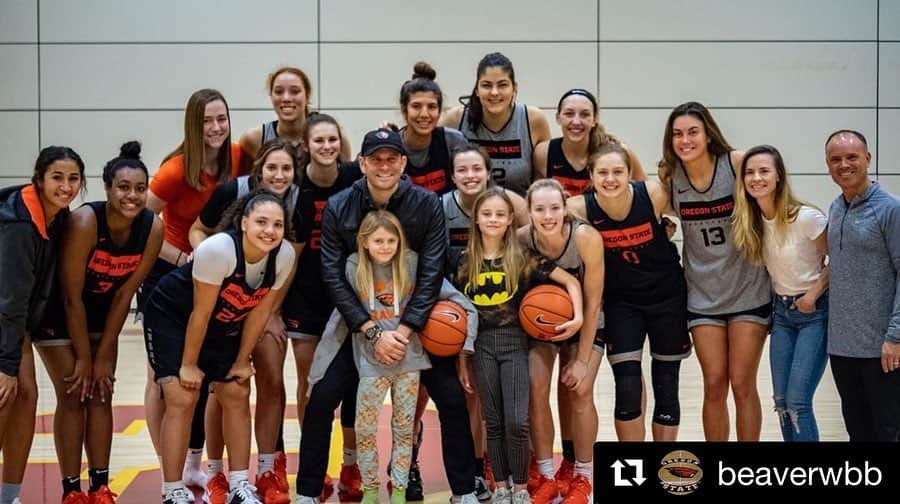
<point>457,226</point>
<point>720,281</point>
<point>510,148</point>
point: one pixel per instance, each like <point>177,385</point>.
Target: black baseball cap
<point>382,139</point>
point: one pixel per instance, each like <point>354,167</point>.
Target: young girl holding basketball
<point>382,274</point>
<point>495,273</point>
<point>577,248</point>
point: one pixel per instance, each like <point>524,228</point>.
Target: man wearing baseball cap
<point>382,161</point>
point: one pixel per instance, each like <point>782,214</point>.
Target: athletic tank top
<point>558,168</point>
<point>290,199</point>
<point>641,262</point>
<point>305,299</point>
<point>457,227</point>
<point>569,259</point>
<point>434,175</point>
<point>174,294</point>
<point>270,132</point>
<point>109,266</point>
<point>719,279</point>
<point>510,148</point>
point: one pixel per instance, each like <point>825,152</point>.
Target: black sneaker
<point>414,486</point>
<point>482,492</point>
<point>178,496</point>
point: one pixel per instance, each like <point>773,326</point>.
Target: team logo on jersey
<point>490,289</point>
<point>382,134</point>
<point>703,210</point>
<point>628,237</point>
<point>680,473</point>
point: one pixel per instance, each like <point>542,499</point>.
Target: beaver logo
<point>680,472</point>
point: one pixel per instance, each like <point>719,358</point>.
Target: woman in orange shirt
<point>179,189</point>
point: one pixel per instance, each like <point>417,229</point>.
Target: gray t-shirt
<point>453,138</point>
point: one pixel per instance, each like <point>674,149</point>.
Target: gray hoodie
<point>415,359</point>
<point>864,264</point>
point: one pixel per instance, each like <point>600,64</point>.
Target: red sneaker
<point>579,491</point>
<point>327,488</point>
<point>75,498</point>
<point>269,488</point>
<point>546,491</point>
<point>217,489</point>
<point>103,495</point>
<point>564,476</point>
<point>281,470</point>
<point>350,484</point>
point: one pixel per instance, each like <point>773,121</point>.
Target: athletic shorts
<point>301,321</point>
<point>164,340</point>
<point>50,337</point>
<point>664,323</point>
<point>160,268</point>
<point>599,338</point>
<point>760,315</point>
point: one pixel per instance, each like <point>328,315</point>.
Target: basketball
<point>543,308</point>
<point>445,331</point>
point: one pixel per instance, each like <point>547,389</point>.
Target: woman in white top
<point>772,227</point>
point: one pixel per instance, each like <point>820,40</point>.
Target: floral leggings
<point>370,397</point>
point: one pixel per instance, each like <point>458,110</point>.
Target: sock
<point>9,492</point>
<point>171,486</point>
<point>568,450</point>
<point>584,468</point>
<point>71,484</point>
<point>266,463</point>
<point>193,458</point>
<point>98,478</point>
<point>545,466</point>
<point>215,467</point>
<point>479,467</point>
<point>236,477</point>
<point>349,457</point>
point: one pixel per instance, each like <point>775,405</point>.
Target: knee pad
<point>628,390</point>
<point>667,409</point>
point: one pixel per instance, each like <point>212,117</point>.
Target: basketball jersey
<point>720,280</point>
<point>174,294</point>
<point>270,132</point>
<point>434,174</point>
<point>457,227</point>
<point>510,148</point>
<point>305,299</point>
<point>558,168</point>
<point>641,262</point>
<point>569,259</point>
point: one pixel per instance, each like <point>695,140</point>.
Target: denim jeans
<point>797,357</point>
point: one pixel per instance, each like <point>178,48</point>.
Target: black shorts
<point>760,315</point>
<point>664,323</point>
<point>160,268</point>
<point>164,339</point>
<point>302,321</point>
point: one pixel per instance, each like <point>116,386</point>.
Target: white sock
<point>584,468</point>
<point>236,477</point>
<point>349,457</point>
<point>545,466</point>
<point>215,467</point>
<point>170,486</point>
<point>266,463</point>
<point>193,459</point>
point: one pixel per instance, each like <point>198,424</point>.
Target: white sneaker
<point>302,499</point>
<point>245,493</point>
<point>521,497</point>
<point>502,496</point>
<point>194,477</point>
<point>17,501</point>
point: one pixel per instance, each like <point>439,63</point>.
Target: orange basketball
<point>445,331</point>
<point>543,308</point>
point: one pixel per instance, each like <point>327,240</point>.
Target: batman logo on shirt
<point>490,289</point>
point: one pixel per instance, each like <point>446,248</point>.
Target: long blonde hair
<point>747,220</point>
<point>512,260</point>
<point>375,220</point>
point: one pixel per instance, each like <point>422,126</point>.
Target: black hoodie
<point>28,253</point>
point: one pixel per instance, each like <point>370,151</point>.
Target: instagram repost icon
<point>680,472</point>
